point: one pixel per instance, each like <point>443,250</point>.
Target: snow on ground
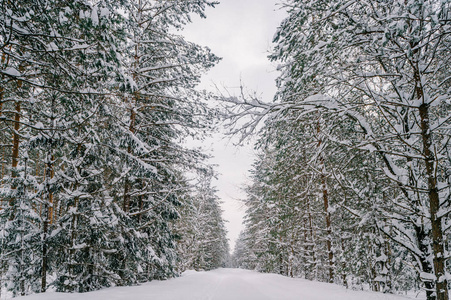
<point>225,284</point>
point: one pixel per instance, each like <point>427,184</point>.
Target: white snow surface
<point>225,284</point>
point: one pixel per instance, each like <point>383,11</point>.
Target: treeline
<point>352,183</point>
<point>97,99</point>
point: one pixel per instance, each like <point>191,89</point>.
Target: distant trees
<point>95,99</point>
<point>363,105</point>
<point>202,244</point>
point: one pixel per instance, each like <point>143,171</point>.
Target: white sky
<point>239,31</point>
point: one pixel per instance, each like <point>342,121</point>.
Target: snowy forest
<point>100,187</point>
<point>352,180</point>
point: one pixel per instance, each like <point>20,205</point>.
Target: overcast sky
<point>239,31</point>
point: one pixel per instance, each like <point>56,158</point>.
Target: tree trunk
<point>2,92</point>
<point>48,203</point>
<point>343,265</point>
<point>21,226</point>
<point>441,284</point>
<point>15,150</point>
<point>328,229</point>
<point>16,138</point>
<point>127,187</point>
<point>3,174</point>
<point>127,198</point>
<point>425,265</point>
<point>388,253</point>
<point>51,199</point>
<point>326,207</point>
<point>312,243</point>
<point>47,220</point>
<point>306,249</point>
<point>44,250</point>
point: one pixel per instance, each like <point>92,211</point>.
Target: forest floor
<point>225,284</point>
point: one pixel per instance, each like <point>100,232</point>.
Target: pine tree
<point>375,73</point>
<point>400,91</point>
<point>96,99</point>
<point>203,243</point>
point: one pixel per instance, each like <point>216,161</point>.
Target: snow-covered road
<point>225,284</point>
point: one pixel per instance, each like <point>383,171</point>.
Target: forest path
<point>225,284</point>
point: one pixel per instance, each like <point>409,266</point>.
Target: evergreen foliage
<point>202,244</point>
<point>354,164</point>
<point>96,99</point>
